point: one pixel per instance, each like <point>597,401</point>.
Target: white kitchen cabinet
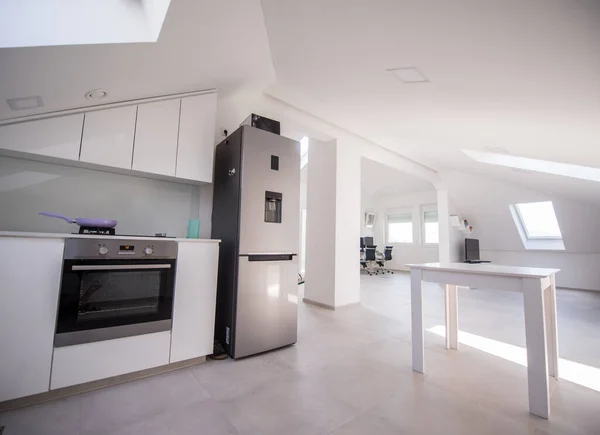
<point>30,275</point>
<point>156,131</point>
<point>108,137</point>
<point>74,365</point>
<point>196,148</point>
<point>54,137</point>
<point>193,328</point>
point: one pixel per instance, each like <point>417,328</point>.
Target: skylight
<point>544,166</point>
<point>539,220</point>
<point>34,23</point>
<point>537,225</point>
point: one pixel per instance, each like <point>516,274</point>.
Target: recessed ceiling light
<point>25,103</point>
<point>96,94</point>
<point>409,75</point>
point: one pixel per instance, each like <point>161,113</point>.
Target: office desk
<point>539,296</point>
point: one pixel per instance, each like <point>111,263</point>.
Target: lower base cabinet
<point>29,285</point>
<point>73,365</point>
<point>195,300</point>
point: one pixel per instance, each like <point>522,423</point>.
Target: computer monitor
<point>362,243</point>
<point>472,250</point>
<point>369,241</point>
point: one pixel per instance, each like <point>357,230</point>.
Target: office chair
<point>387,256</point>
<point>370,260</point>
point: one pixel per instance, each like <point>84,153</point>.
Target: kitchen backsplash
<point>140,205</point>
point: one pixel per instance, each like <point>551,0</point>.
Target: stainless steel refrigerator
<point>256,208</point>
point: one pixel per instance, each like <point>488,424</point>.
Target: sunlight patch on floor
<point>581,374</point>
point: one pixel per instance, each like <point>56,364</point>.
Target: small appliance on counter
<point>256,209</point>
<point>113,288</point>
<point>88,225</point>
<point>263,123</point>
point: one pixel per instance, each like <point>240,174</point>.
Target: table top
<point>487,269</point>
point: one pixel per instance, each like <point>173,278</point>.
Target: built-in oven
<point>113,288</point>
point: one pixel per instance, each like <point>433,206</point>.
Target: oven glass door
<point>99,294</point>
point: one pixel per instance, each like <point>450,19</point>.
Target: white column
<point>443,207</point>
<point>319,284</point>
<point>333,224</point>
<point>347,229</point>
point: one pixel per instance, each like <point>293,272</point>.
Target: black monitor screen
<point>471,249</point>
<point>369,241</point>
<point>362,242</point>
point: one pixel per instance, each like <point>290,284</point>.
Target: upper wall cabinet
<point>108,137</point>
<point>54,137</point>
<point>195,151</point>
<point>155,146</point>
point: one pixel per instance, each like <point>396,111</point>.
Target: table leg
<point>535,334</point>
<point>551,327</point>
<point>416,307</point>
<point>451,317</point>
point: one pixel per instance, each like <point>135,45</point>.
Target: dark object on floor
<point>217,355</point>
<point>1,429</point>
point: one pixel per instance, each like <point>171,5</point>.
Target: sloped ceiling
<point>379,180</point>
<point>522,76</point>
<point>203,44</point>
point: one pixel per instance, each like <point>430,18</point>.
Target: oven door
<point>107,299</point>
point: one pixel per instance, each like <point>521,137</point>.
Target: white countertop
<point>487,269</point>
<point>90,236</point>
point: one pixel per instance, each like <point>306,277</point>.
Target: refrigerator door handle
<point>270,257</point>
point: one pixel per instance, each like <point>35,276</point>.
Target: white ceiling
<point>203,44</point>
<point>521,75</point>
<point>379,180</point>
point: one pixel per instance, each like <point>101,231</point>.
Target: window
<point>539,220</point>
<point>537,225</point>
<point>303,152</point>
<point>400,228</point>
<point>431,227</point>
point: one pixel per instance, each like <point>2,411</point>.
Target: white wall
<point>485,203</point>
<point>405,253</point>
<point>367,205</point>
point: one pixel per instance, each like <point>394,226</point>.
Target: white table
<point>539,295</point>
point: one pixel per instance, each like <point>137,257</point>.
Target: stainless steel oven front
<point>113,288</point>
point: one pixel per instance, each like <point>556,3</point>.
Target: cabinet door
<point>193,329</point>
<point>108,137</point>
<point>196,149</point>
<point>55,137</point>
<point>73,365</point>
<point>28,303</point>
<point>155,145</point>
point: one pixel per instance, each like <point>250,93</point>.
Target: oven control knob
<point>103,250</point>
<point>148,250</point>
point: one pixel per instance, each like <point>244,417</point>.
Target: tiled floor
<point>350,373</point>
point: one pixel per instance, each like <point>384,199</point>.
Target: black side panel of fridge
<point>226,226</point>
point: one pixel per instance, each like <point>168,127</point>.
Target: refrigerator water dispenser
<point>273,207</point>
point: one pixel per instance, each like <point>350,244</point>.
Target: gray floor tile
<point>111,408</point>
<point>58,417</point>
<point>201,418</point>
